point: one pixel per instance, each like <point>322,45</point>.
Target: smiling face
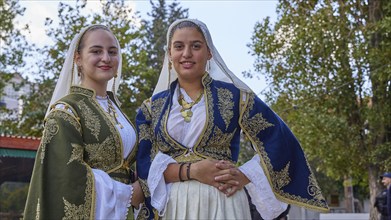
<point>189,53</point>
<point>97,58</point>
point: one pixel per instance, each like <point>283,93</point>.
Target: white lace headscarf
<point>217,68</point>
<point>69,73</point>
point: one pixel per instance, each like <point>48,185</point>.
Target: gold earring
<point>207,67</point>
<point>79,70</point>
<point>113,87</point>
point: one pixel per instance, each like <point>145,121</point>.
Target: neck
<point>100,90</point>
<point>193,89</point>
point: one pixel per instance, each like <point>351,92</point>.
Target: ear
<point>209,55</point>
<point>77,59</point>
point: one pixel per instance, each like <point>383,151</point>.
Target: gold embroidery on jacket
<point>314,189</point>
<point>210,116</point>
<point>146,109</point>
<point>77,153</point>
<point>256,123</point>
<point>51,129</point>
<point>38,212</point>
<point>82,211</point>
<point>145,133</point>
<point>92,121</point>
<point>225,105</point>
<point>156,109</point>
<point>248,127</point>
<point>103,155</point>
<point>143,213</point>
<point>218,145</point>
<point>164,142</point>
<point>144,187</point>
<point>114,145</point>
<point>282,177</point>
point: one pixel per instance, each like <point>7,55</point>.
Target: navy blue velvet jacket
<point>230,113</point>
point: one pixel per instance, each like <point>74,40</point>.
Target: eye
<point>197,46</point>
<point>113,52</point>
<point>96,51</point>
<point>178,46</point>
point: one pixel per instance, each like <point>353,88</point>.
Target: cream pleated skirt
<point>195,200</point>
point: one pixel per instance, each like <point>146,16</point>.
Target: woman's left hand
<point>231,178</point>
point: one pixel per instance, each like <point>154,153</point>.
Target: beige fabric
<point>186,198</point>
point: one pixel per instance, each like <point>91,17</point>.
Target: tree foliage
<point>13,43</point>
<point>141,45</point>
<point>13,50</point>
<point>327,64</point>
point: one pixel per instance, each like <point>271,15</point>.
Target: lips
<point>104,67</point>
<point>187,64</point>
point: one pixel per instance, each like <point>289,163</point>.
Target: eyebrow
<point>98,46</point>
<point>195,41</point>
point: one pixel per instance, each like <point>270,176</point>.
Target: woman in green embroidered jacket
<point>190,134</point>
<point>82,169</point>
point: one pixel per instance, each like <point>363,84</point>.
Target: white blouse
<point>187,134</point>
<point>112,197</point>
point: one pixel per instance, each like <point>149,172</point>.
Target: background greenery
<point>327,63</point>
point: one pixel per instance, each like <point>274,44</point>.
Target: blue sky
<point>231,24</point>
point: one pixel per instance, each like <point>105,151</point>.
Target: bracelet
<point>188,171</point>
<point>180,172</point>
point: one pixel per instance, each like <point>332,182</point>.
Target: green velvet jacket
<point>76,139</point>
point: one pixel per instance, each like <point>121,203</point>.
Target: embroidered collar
<point>82,90</point>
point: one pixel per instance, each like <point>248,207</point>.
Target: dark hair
<point>183,24</point>
<point>90,29</point>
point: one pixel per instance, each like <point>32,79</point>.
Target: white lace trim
<point>113,198</point>
<point>260,191</point>
<point>158,188</point>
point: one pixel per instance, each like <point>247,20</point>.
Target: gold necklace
<point>186,106</point>
<point>111,110</point>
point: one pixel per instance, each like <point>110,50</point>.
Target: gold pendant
<point>183,113</point>
<point>187,119</point>
<point>187,105</point>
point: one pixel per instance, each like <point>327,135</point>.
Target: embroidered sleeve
<point>281,156</point>
<point>144,155</point>
<point>62,183</point>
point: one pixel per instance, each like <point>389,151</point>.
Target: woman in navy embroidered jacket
<point>190,132</point>
<point>82,168</point>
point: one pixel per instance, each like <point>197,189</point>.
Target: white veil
<point>69,75</point>
<point>218,70</point>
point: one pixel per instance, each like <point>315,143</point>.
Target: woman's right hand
<point>205,172</point>
<point>138,195</point>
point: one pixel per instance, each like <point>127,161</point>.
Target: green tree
<point>147,61</point>
<point>13,197</point>
<point>327,64</point>
<point>50,64</point>
<point>141,46</point>
<point>13,43</point>
<point>14,48</point>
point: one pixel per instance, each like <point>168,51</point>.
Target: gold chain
<point>186,106</point>
<point>112,112</point>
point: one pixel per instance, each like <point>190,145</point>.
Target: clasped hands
<point>222,174</point>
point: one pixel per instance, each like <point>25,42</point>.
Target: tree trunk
<point>374,189</point>
<point>348,189</point>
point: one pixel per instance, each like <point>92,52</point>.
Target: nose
<point>106,57</point>
<point>187,53</point>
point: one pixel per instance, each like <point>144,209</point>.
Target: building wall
<point>12,93</point>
